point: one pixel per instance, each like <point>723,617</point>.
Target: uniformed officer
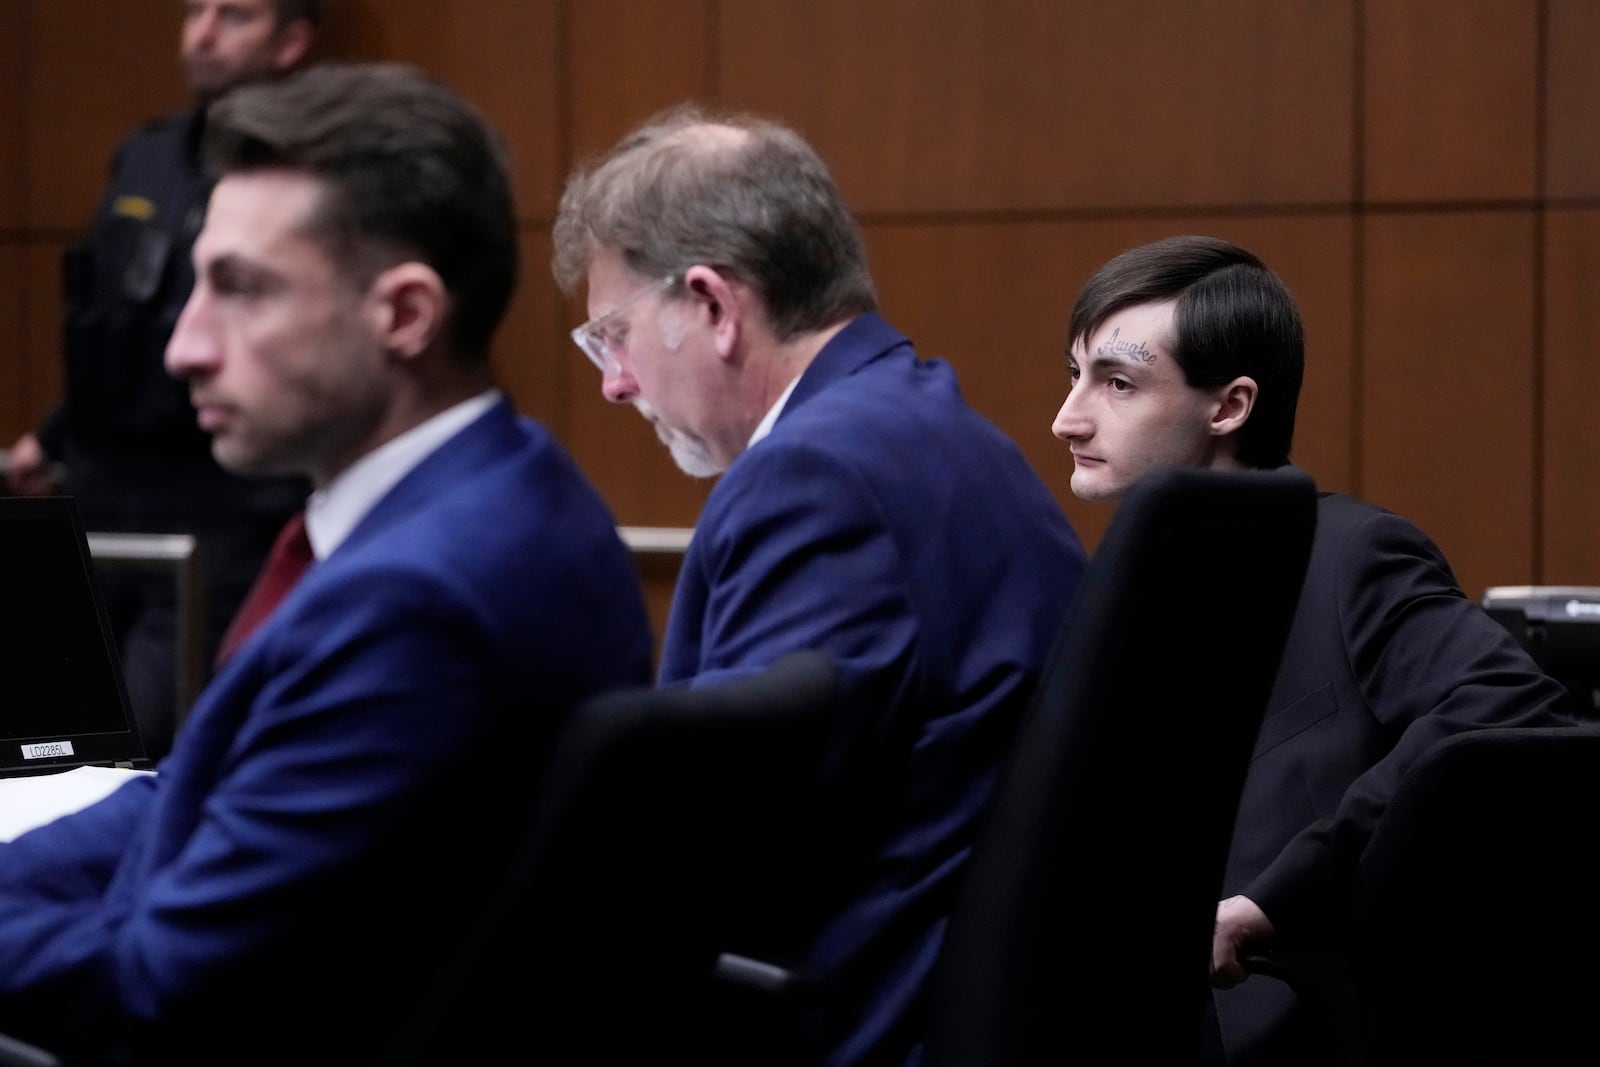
<point>123,439</point>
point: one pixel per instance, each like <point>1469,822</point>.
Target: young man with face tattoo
<point>1189,352</point>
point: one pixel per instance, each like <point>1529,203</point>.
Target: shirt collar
<point>333,511</point>
<point>770,419</point>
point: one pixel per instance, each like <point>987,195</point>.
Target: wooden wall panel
<point>999,151</point>
<point>1314,257</point>
<point>95,71</point>
<point>1451,99</point>
<point>13,215</point>
<point>530,362</point>
<point>632,58</point>
<point>1571,399</point>
<point>13,145</point>
<point>499,54</point>
<point>1572,161</point>
<point>1013,104</point>
<point>994,301</point>
<point>41,327</point>
<point>1447,393</point>
<point>12,334</point>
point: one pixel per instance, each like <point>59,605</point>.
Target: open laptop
<point>63,701</point>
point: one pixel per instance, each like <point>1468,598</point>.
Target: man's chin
<point>241,461</point>
<point>1096,489</point>
<point>209,83</point>
<point>693,461</point>
<point>692,457</point>
<point>205,84</point>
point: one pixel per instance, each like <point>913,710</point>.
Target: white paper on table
<point>37,799</point>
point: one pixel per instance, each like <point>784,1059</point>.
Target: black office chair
<point>1083,933</point>
<point>668,823</point>
<point>1473,925</point>
<point>668,820</point>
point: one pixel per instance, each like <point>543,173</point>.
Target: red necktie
<point>290,556</point>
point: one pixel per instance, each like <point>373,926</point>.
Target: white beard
<point>689,453</point>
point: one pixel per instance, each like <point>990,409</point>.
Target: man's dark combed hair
<point>1232,317</point>
<point>412,170</point>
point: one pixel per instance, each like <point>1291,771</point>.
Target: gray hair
<point>740,193</point>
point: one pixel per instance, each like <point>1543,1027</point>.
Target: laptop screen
<point>62,698</point>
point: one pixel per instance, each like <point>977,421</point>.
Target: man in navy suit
<point>1189,352</point>
<point>863,509</point>
<point>349,784</point>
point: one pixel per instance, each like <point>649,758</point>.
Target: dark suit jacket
<point>885,523</point>
<point>346,787</point>
<point>1386,655</point>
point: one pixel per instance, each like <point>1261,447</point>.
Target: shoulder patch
<point>134,207</point>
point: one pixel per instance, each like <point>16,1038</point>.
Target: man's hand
<point>1239,924</point>
<point>28,470</point>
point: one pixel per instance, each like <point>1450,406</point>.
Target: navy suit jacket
<point>346,786</point>
<point>1386,655</point>
<point>886,523</point>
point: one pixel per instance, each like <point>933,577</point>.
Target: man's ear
<point>1235,401</point>
<point>408,305</point>
<point>293,42</point>
<point>722,304</point>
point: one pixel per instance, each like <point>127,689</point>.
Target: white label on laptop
<point>47,750</point>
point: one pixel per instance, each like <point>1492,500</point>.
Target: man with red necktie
<point>342,780</point>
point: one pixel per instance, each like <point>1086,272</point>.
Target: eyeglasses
<point>598,337</point>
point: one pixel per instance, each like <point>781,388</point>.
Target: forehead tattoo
<point>1116,347</point>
